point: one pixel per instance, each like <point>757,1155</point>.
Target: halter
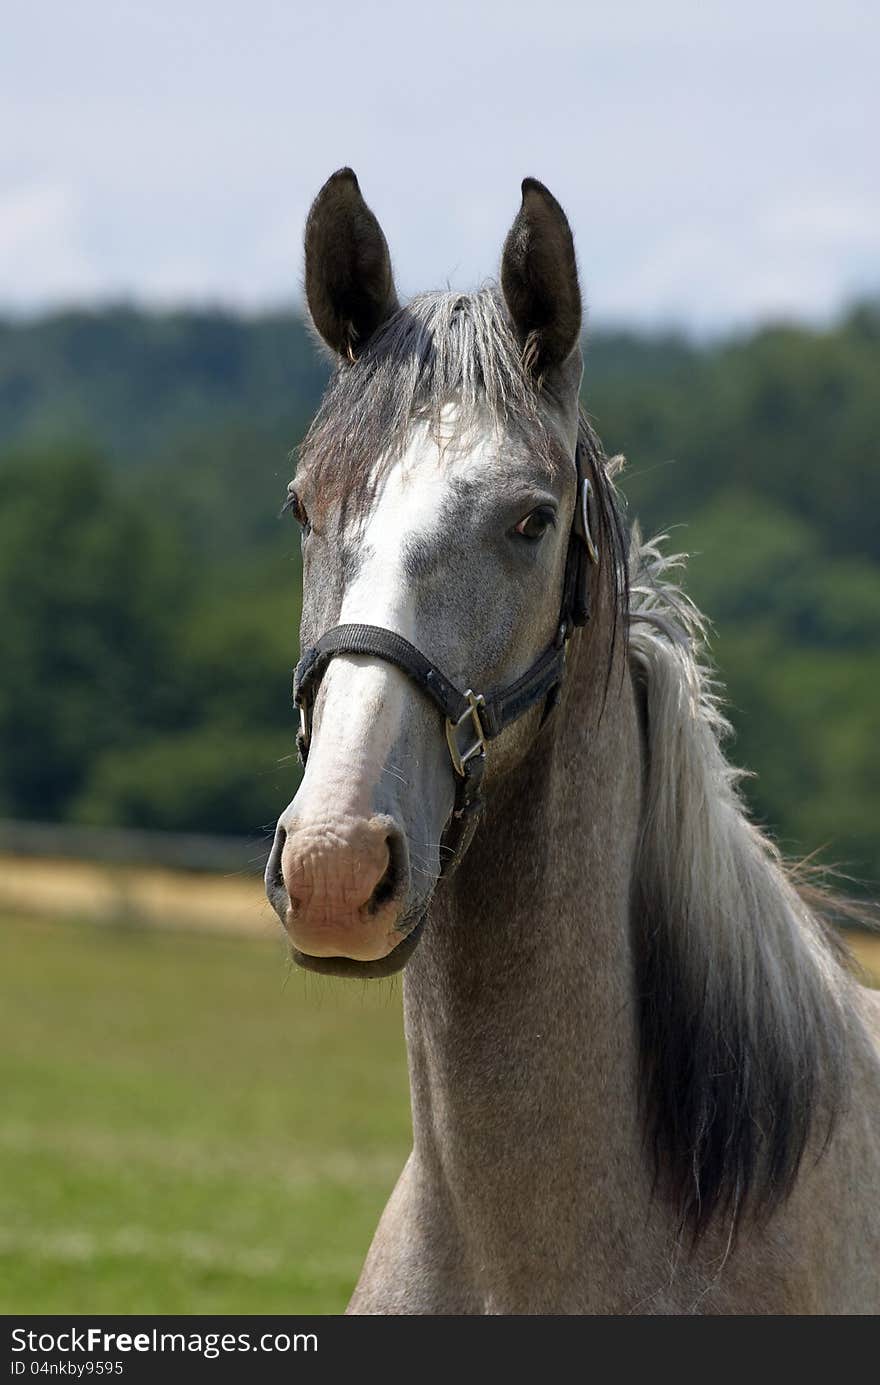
<point>472,719</point>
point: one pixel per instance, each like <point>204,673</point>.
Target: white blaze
<point>363,698</point>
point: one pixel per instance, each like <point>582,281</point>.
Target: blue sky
<point>718,161</point>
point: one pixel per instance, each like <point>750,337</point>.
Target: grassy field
<point>186,1126</point>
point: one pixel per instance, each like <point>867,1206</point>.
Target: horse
<point>644,1078</point>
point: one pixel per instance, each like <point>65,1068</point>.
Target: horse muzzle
<point>340,887</point>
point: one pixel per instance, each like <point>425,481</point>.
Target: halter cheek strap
<point>472,719</point>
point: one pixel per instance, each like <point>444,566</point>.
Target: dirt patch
<point>136,895</point>
<point>162,898</point>
<point>866,947</point>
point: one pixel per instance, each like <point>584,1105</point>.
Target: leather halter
<point>472,719</point>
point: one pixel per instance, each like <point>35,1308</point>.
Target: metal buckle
<point>305,728</point>
<point>584,516</point>
<point>471,713</point>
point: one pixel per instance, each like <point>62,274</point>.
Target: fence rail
<point>127,847</point>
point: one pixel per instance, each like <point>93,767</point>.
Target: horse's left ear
<point>539,279</point>
<point>349,285</point>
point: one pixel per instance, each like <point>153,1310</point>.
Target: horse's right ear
<point>349,286</point>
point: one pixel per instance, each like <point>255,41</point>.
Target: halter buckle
<point>305,726</point>
<point>471,714</point>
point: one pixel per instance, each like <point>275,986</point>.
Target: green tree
<point>90,588</point>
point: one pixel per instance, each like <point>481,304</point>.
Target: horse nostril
<point>387,886</point>
<point>275,888</point>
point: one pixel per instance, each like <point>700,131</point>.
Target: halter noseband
<point>472,720</point>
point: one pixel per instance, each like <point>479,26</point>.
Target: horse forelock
<point>448,359</point>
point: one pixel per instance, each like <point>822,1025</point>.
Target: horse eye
<point>297,509</point>
<point>535,525</point>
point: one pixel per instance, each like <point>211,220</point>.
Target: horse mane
<point>741,989</point>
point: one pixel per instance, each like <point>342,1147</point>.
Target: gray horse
<point>643,1079</point>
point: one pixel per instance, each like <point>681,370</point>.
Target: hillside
<point>148,590</point>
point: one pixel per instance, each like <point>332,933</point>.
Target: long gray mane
<point>741,991</point>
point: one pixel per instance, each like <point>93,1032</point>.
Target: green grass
<point>186,1126</point>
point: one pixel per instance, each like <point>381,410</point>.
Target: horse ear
<point>349,286</point>
<point>539,279</point>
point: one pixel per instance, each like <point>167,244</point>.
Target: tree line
<point>149,596</point>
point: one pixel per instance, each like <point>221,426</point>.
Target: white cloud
<point>841,224</point>
<point>42,256</point>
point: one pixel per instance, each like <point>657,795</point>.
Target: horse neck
<point>519,1003</point>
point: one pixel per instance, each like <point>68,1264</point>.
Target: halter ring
<point>470,714</point>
